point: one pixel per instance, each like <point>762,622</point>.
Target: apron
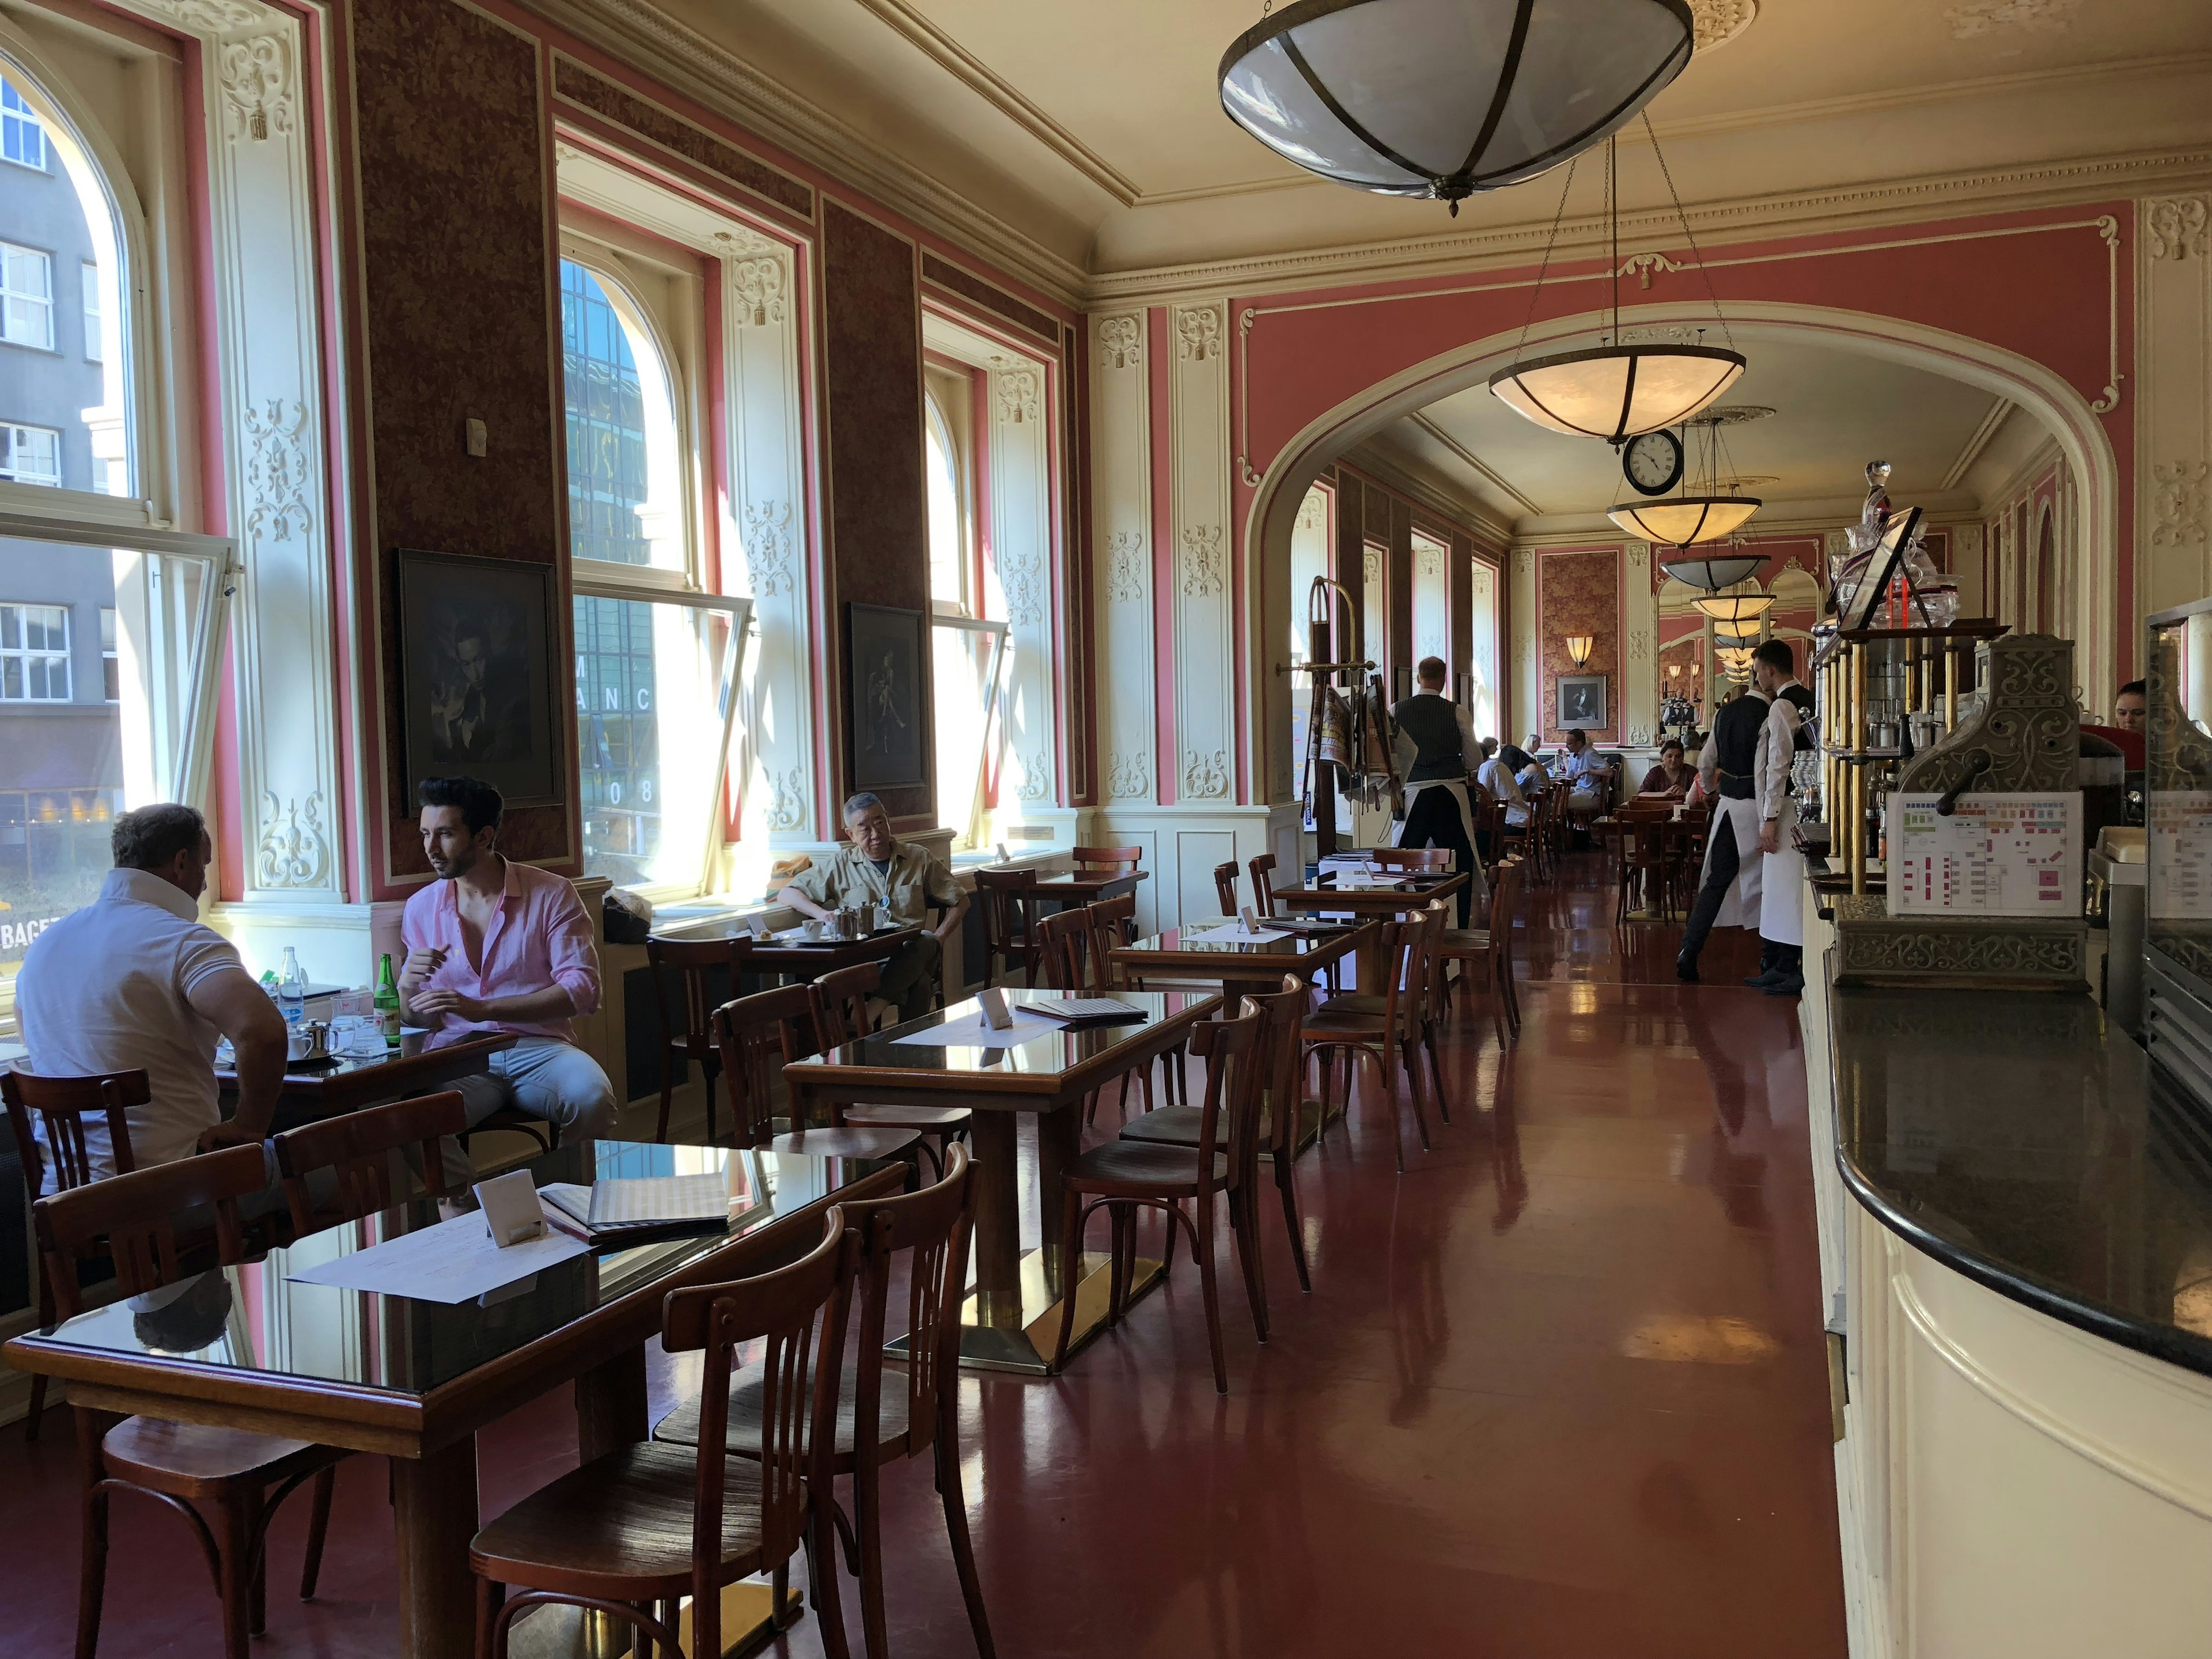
<point>1781,897</point>
<point>1480,882</point>
<point>1745,900</point>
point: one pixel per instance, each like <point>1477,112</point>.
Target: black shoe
<point>1788,985</point>
<point>1686,967</point>
<point>1761,982</point>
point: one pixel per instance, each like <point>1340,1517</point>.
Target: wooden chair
<point>1224,887</point>
<point>1488,950</point>
<point>1642,869</point>
<point>760,1035</point>
<point>1126,1175</point>
<point>1063,940</point>
<point>684,1000</point>
<point>1423,991</point>
<point>240,1477</point>
<point>1009,928</point>
<point>1263,884</point>
<point>647,1525</point>
<point>358,1149</point>
<point>61,1104</point>
<point>932,1229</point>
<point>841,1015</point>
<point>1106,860</point>
<point>1283,1056</point>
<point>1424,860</point>
<point>1386,1035</point>
<point>1113,924</point>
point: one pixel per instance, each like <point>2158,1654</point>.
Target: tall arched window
<point>965,651</point>
<point>950,513</point>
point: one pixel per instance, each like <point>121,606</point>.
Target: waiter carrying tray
<point>1752,872</point>
<point>1437,750</point>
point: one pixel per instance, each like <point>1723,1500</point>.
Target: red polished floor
<point>1560,1390</point>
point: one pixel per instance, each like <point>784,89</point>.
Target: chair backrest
<point>1411,858</point>
<point>840,1003</point>
<point>1427,965</point>
<point>1224,886</point>
<point>133,1219</point>
<point>798,1313</point>
<point>1089,859</point>
<point>1505,904</point>
<point>1066,937</point>
<point>1113,924</point>
<point>1398,955</point>
<point>758,1035</point>
<point>1282,1023</point>
<point>61,1103</point>
<point>1229,1106</point>
<point>1263,884</point>
<point>357,1147</point>
<point>1005,906</point>
<point>683,996</point>
<point>931,1228</point>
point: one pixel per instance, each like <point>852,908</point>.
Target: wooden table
<point>334,1087</point>
<point>416,1380</point>
<point>1241,969</point>
<point>1414,891</point>
<point>1011,1322</point>
<point>799,961</point>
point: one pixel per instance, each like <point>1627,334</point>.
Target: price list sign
<point>2181,854</point>
<point>1994,855</point>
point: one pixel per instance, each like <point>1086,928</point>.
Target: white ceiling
<point>1834,411</point>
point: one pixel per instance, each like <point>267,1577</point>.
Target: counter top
<point>2014,1137</point>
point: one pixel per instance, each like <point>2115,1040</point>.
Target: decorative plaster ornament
<point>1120,342</point>
<point>1987,17</point>
<point>1125,568</point>
<point>2174,226</point>
<point>1719,22</point>
<point>1201,562</point>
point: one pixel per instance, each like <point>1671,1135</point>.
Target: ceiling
<point>1097,133</point>
<point>1948,443</point>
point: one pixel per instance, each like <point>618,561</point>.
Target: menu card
<point>2180,875</point>
<point>1994,855</point>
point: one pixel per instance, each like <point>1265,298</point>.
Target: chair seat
<point>844,1143</point>
<point>1353,1002</point>
<point>1178,1126</point>
<point>193,1460</point>
<point>1343,1027</point>
<point>1464,941</point>
<point>743,1438</point>
<point>1120,1164</point>
<point>929,1119</point>
<point>620,1525</point>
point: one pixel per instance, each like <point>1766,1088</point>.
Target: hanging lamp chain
<point>1613,216</point>
<point>1541,269</point>
<point>1688,235</point>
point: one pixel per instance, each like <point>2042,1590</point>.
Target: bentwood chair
<point>1427,861</point>
<point>841,1015</point>
<point>758,1035</point>
<point>1123,1176</point>
<point>1485,953</point>
<point>684,997</point>
<point>633,1532</point>
<point>1224,887</point>
<point>931,1229</point>
<point>1387,1037</point>
<point>1064,940</point>
<point>1113,925</point>
<point>1106,860</point>
<point>1422,992</point>
<point>60,1105</point>
<point>1009,928</point>
<point>360,1149</point>
<point>240,1477</point>
<point>1263,884</point>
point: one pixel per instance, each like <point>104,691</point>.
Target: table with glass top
<point>1412,890</point>
<point>314,1090</point>
<point>1241,967</point>
<point>1012,1321</point>
<point>416,1380</point>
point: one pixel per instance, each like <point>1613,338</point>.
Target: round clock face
<point>1653,462</point>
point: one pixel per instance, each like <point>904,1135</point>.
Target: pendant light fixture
<point>1701,513</point>
<point>1615,391</point>
<point>1440,98</point>
<point>1730,609</point>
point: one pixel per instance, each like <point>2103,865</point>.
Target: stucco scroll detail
<point>1120,342</point>
<point>258,86</point>
<point>1017,394</point>
<point>294,850</point>
<point>2174,227</point>
<point>1125,568</point>
<point>1205,776</point>
<point>768,547</point>
<point>277,475</point>
<point>1201,560</point>
<point>1128,777</point>
<point>1198,333</point>
<point>2177,502</point>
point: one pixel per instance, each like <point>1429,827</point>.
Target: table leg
<point>611,1406</point>
<point>998,1219</point>
<point>1060,1142</point>
<point>434,1513</point>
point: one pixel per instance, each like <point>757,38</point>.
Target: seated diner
<point>904,879</point>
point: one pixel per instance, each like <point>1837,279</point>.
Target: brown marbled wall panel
<point>943,273</point>
<point>1579,593</point>
<point>871,358</point>
<point>580,86</point>
<point>457,307</point>
<point>1398,577</point>
<point>1459,575</point>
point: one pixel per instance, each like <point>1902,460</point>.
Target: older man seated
<point>875,867</point>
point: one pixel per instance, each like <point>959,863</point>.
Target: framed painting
<point>887,690</point>
<point>1402,683</point>
<point>1581,701</point>
<point>477,673</point>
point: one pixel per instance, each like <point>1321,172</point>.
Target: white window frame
<point>95,326</point>
<point>10,473</point>
<point>111,662</point>
<point>15,112</point>
<point>958,445</point>
<point>21,652</point>
<point>11,295</point>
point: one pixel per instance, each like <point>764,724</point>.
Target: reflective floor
<point>1558,1391</point>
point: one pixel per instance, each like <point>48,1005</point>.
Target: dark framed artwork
<point>887,690</point>
<point>1402,683</point>
<point>1581,699</point>
<point>1463,689</point>
<point>477,673</point>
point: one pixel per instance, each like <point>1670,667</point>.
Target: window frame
<point>93,320</point>
<point>23,114</point>
<point>9,471</point>
<point>1002,633</point>
<point>10,295</point>
<point>46,654</point>
<point>959,441</point>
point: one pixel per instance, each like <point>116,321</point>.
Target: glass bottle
<point>292,988</point>
<point>387,1002</point>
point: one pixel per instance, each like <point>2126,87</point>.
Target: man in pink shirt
<point>493,946</point>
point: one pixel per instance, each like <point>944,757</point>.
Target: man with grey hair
<point>136,981</point>
<point>875,867</point>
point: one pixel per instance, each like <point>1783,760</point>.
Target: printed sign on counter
<point>2180,876</point>
<point>1995,856</point>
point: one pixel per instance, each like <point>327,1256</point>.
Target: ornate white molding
<point>2174,226</point>
<point>1202,576</point>
<point>1428,562</point>
<point>1037,778</point>
<point>768,547</point>
<point>1524,561</point>
<point>2177,502</point>
<point>787,808</point>
<point>278,473</point>
<point>1125,568</point>
<point>1205,777</point>
<point>208,16</point>
<point>1370,563</point>
<point>1719,22</point>
<point>1313,511</point>
<point>1129,777</point>
<point>258,88</point>
<point>1120,342</point>
<point>758,283</point>
<point>295,848</point>
<point>1021,578</point>
<point>1017,392</point>
<point>1198,333</point>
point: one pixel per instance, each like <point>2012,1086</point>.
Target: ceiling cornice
<point>1971,451</point>
<point>1468,458</point>
<point>688,63</point>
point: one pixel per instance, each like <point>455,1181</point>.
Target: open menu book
<point>641,1210</point>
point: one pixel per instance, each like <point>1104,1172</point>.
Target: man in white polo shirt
<point>136,981</point>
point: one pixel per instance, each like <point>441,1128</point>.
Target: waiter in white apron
<point>1436,749</point>
<point>1782,879</point>
<point>1731,891</point>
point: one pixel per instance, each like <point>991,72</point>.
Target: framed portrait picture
<point>477,673</point>
<point>1581,701</point>
<point>887,690</point>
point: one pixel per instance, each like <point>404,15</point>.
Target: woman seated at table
<point>1672,776</point>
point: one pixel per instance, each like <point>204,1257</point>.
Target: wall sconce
<point>1578,647</point>
<point>1673,670</point>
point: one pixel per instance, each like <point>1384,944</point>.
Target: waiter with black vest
<point>1442,743</point>
<point>1752,869</point>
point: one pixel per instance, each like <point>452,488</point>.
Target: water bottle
<point>292,989</point>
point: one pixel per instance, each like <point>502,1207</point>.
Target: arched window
<point>625,459</point>
<point>950,513</point>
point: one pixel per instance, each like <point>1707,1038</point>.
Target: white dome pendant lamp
<point>1440,98</point>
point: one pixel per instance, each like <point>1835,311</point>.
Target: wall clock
<point>1653,462</point>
